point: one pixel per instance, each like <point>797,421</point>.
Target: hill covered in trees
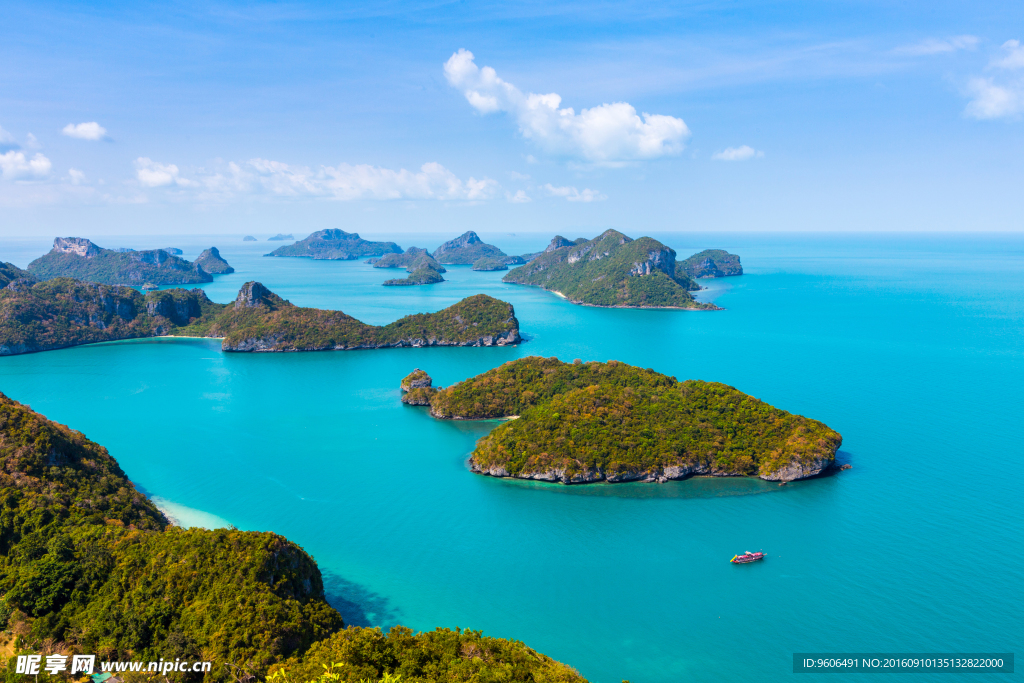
<point>587,422</point>
<point>78,258</point>
<point>64,312</point>
<point>334,244</point>
<point>710,263</point>
<point>89,565</point>
<point>611,270</point>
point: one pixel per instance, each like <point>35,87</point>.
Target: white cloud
<point>153,174</point>
<point>574,195</point>
<point>993,98</point>
<point>15,166</point>
<point>1014,58</point>
<point>520,197</point>
<point>936,46</point>
<point>85,131</point>
<point>741,153</point>
<point>77,177</point>
<point>605,134</point>
<point>31,142</point>
<point>7,141</point>
<point>344,181</point>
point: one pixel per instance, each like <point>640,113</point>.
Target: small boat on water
<point>747,557</point>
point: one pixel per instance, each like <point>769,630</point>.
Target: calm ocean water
<point>912,347</point>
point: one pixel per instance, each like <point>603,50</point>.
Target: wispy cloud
<point>85,131</point>
<point>741,153</point>
<point>344,182</point>
<point>605,134</point>
<point>938,46</point>
<point>520,197</point>
<point>7,141</point>
<point>14,165</point>
<point>574,195</point>
<point>1000,95</point>
<point>77,177</point>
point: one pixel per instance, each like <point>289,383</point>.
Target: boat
<point>747,557</point>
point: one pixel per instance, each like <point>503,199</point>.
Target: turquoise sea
<point>912,347</point>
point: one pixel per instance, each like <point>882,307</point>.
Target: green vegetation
<point>259,320</point>
<point>492,263</point>
<point>281,237</point>
<point>335,244</point>
<point>465,249</point>
<point>10,272</point>
<point>63,312</point>
<point>710,263</point>
<point>421,276</point>
<point>79,258</point>
<point>212,263</point>
<point>413,259</point>
<point>89,565</point>
<point>417,389</point>
<point>595,421</point>
<point>610,270</point>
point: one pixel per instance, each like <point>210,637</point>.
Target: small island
<point>88,561</point>
<point>212,262</point>
<point>336,245</point>
<point>491,263</point>
<point>280,237</point>
<point>590,422</point>
<point>465,250</point>
<point>249,238</point>
<point>174,251</point>
<point>421,276</point>
<point>710,263</point>
<point>78,258</point>
<point>611,270</point>
<point>417,388</point>
<point>64,312</point>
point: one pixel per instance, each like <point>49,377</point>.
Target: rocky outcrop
<point>583,475</point>
<point>212,262</point>
<point>75,245</point>
<point>417,379</point>
<point>466,249</point>
<point>253,294</point>
<point>180,310</point>
<point>78,258</point>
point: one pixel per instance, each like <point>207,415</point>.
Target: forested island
<point>212,262</point>
<point>89,565</point>
<point>466,249</point>
<point>58,313</point>
<point>79,258</point>
<point>336,245</point>
<point>711,263</point>
<point>421,266</point>
<point>611,270</point>
<point>589,422</point>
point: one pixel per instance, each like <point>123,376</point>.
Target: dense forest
<point>89,565</point>
<point>78,258</point>
<point>64,312</point>
<point>611,270</point>
<point>612,421</point>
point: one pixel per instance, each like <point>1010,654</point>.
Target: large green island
<point>58,313</point>
<point>335,245</point>
<point>590,422</point>
<point>77,257</point>
<point>611,270</point>
<point>89,565</point>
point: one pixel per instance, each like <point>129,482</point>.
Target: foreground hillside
<point>64,312</point>
<point>79,258</point>
<point>89,565</point>
<point>611,270</point>
<point>588,422</point>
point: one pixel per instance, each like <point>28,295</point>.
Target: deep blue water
<point>912,347</point>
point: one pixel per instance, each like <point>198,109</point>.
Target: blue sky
<point>122,118</point>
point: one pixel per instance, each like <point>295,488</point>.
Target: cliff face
<point>78,258</point>
<point>336,244</point>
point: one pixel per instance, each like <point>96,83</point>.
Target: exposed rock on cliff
<point>711,263</point>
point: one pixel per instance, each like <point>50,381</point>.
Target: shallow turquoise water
<point>911,347</point>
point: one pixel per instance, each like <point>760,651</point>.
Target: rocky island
<point>336,245</point>
<point>211,261</point>
<point>417,388</point>
<point>491,263</point>
<point>79,258</point>
<point>589,422</point>
<point>249,238</point>
<point>64,312</point>
<point>710,263</point>
<point>421,266</point>
<point>611,270</point>
<point>89,564</point>
<point>466,249</point>
<point>421,276</point>
<point>280,237</point>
